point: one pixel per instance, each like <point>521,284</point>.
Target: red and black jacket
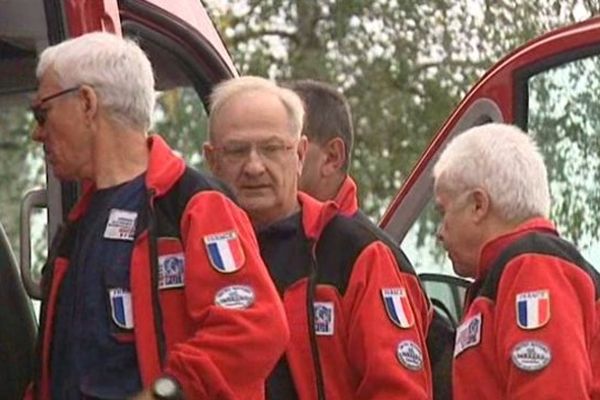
<point>182,332</point>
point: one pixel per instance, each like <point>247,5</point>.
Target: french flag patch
<point>225,251</point>
<point>120,307</point>
<point>398,307</point>
<point>533,309</point>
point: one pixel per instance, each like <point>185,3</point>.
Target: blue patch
<point>324,318</point>
<point>171,269</point>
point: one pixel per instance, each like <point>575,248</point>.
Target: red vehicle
<point>189,57</point>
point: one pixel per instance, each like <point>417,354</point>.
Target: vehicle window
<point>564,117</point>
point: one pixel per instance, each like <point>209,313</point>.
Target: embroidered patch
<point>225,251</point>
<point>120,225</point>
<point>531,355</point>
<point>468,334</point>
<point>410,355</point>
<point>324,318</point>
<point>236,297</point>
<point>171,269</point>
<point>121,309</point>
<point>398,307</point>
<point>533,309</point>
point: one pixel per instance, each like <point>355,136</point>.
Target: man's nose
<point>38,133</point>
<point>254,164</point>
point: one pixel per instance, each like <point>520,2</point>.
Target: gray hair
<point>224,91</point>
<point>117,69</point>
<point>502,160</point>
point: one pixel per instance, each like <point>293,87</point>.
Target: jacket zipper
<point>310,297</point>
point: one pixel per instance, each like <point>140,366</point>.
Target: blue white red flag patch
<point>533,309</point>
<point>225,251</point>
<point>410,355</point>
<point>171,269</point>
<point>531,355</point>
<point>468,334</point>
<point>324,318</point>
<point>398,307</point>
<point>121,310</point>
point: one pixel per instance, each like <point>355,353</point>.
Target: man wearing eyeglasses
<point>154,287</point>
<point>357,324</point>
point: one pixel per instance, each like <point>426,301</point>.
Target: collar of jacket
<point>164,168</point>
<point>347,197</point>
<point>315,215</point>
<point>493,248</point>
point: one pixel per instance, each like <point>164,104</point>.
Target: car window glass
<point>564,117</point>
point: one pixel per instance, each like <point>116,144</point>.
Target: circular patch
<point>409,354</point>
<point>531,355</point>
<point>237,297</point>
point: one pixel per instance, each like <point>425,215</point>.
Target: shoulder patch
<point>531,355</point>
<point>225,251</point>
<point>533,309</point>
<point>236,297</point>
<point>398,307</point>
<point>410,355</point>
<point>468,334</point>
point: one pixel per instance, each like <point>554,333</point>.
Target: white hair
<point>224,91</point>
<point>117,69</point>
<point>502,160</point>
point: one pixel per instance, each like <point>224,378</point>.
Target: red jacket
<point>347,197</point>
<point>214,351</point>
<point>366,355</point>
<point>532,326</point>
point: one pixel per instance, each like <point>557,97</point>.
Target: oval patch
<point>410,355</point>
<point>531,355</point>
<point>236,297</point>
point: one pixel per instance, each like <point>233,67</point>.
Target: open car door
<point>548,87</point>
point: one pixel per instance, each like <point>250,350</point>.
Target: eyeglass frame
<point>257,146</point>
<point>40,114</point>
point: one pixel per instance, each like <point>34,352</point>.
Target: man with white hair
<point>358,320</point>
<point>531,326</point>
<point>154,285</point>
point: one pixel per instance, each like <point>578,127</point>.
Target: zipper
<point>310,297</point>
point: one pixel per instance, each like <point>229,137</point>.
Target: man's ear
<point>301,152</point>
<point>90,103</point>
<point>210,155</point>
<point>481,204</point>
<point>335,156</point>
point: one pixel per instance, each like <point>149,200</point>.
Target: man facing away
<point>531,326</point>
<point>154,285</point>
<point>357,322</point>
<point>329,130</point>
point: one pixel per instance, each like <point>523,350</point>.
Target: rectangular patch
<point>225,252</point>
<point>398,307</point>
<point>121,308</point>
<point>324,318</point>
<point>533,309</point>
<point>171,271</point>
<point>120,225</point>
<point>468,334</point>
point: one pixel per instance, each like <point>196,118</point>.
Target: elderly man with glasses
<point>154,286</point>
<point>358,322</point>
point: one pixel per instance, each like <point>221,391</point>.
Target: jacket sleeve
<point>386,344</point>
<point>544,353</point>
<point>232,350</point>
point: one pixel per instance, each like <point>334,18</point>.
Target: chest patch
<point>533,309</point>
<point>468,334</point>
<point>120,225</point>
<point>531,355</point>
<point>120,307</point>
<point>398,307</point>
<point>225,252</point>
<point>171,269</point>
<point>236,297</point>
<point>324,318</point>
<point>410,355</point>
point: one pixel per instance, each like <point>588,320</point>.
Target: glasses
<point>41,114</point>
<point>268,151</point>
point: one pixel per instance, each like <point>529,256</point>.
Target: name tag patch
<point>120,225</point>
<point>398,307</point>
<point>468,334</point>
<point>531,355</point>
<point>225,251</point>
<point>324,318</point>
<point>171,269</point>
<point>410,355</point>
<point>533,309</point>
<point>120,307</point>
<point>235,297</point>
